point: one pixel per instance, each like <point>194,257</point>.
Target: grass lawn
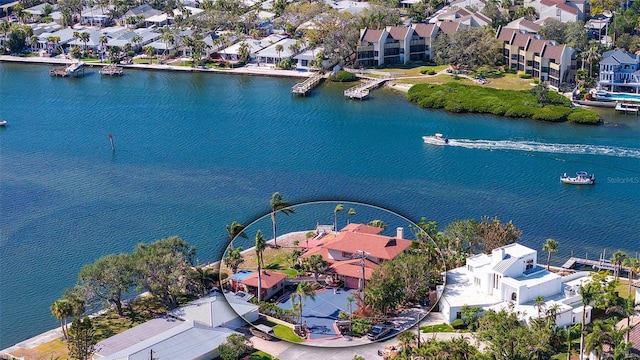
<point>438,79</point>
<point>260,355</point>
<point>623,289</point>
<point>411,70</point>
<point>437,328</point>
<point>52,350</point>
<point>286,333</point>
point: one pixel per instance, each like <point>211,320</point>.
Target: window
<point>476,281</point>
<point>496,281</point>
<point>514,297</point>
<point>458,315</point>
<point>529,265</point>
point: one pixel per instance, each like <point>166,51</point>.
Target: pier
<point>361,91</point>
<point>111,70</point>
<point>307,85</point>
<point>600,264</point>
<point>627,108</point>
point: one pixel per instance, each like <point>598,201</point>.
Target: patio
<point>319,314</point>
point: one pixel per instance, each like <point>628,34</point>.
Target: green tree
<point>470,315</point>
<point>163,268</point>
<point>538,303</point>
<point>350,213</point>
<point>243,50</point>
<point>554,30</point>
<point>136,40</point>
<point>315,264</point>
<point>406,339</point>
<point>633,267</point>
<point>617,259</point>
<point>626,309</point>
<point>82,339</point>
<point>305,290</point>
<point>278,204</point>
<point>377,223</point>
<point>234,258</point>
<point>260,246</point>
<point>541,92</point>
<point>550,246</point>
<point>279,48</point>
<point>202,280</point>
<point>149,51</point>
<point>85,38</point>
<point>234,230</point>
<point>587,296</point>
<point>571,332</point>
<point>493,234</point>
<point>108,279</point>
<point>336,210</point>
<point>62,309</point>
<point>235,346</point>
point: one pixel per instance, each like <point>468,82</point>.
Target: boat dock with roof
<point>74,69</point>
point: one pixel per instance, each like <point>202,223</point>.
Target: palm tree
<point>592,54</point>
<point>337,209</point>
<point>377,223</point>
<point>149,51</point>
<point>167,38</point>
<point>279,49</point>
<point>261,244</point>
<point>633,266</point>
<point>278,204</point>
<point>33,40</point>
<point>617,259</point>
<point>538,302</point>
<point>305,290</point>
<point>350,301</point>
<point>550,246</point>
<point>136,40</point>
<point>62,310</point>
<point>627,309</point>
<point>406,338</point>
<point>234,258</point>
<point>84,37</point>
<point>234,230</point>
<point>571,331</point>
<point>350,213</point>
<point>588,295</point>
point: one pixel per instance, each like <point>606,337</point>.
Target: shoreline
<point>250,69</point>
<point>53,334</point>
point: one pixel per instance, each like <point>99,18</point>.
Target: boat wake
<point>533,146</point>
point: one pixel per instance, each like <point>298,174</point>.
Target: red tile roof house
<point>272,283</point>
<point>343,250</point>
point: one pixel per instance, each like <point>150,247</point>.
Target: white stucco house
<point>216,310</point>
<point>510,276</point>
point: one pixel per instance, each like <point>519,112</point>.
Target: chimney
<point>399,232</point>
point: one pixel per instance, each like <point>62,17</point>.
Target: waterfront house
<point>561,10</point>
<point>510,278</point>
<point>95,16</point>
<point>235,280</point>
<point>524,26</point>
<point>36,13</point>
<point>343,251</point>
<point>395,44</point>
<point>462,16</point>
<point>164,339</point>
<point>619,71</point>
<point>271,55</point>
<point>636,285</point>
<point>545,60</point>
<point>271,284</point>
<point>216,310</point>
<point>232,53</point>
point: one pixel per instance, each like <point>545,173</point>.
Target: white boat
<point>3,122</point>
<point>437,139</point>
<point>581,178</point>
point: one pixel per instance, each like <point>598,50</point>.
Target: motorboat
<point>437,139</point>
<point>3,122</point>
<point>581,178</point>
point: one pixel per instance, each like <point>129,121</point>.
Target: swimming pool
<point>608,96</point>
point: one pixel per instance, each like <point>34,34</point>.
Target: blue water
<point>195,152</point>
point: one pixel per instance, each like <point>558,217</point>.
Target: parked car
<point>262,331</point>
<point>379,331</point>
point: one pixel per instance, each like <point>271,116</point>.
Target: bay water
<point>194,152</point>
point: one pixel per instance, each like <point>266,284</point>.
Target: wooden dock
<point>595,264</point>
<point>361,91</point>
<point>625,108</point>
<point>304,87</point>
<point>111,70</point>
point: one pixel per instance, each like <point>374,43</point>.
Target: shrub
<point>583,116</point>
<point>524,76</point>
<point>343,76</point>
<point>457,324</point>
<point>553,113</point>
